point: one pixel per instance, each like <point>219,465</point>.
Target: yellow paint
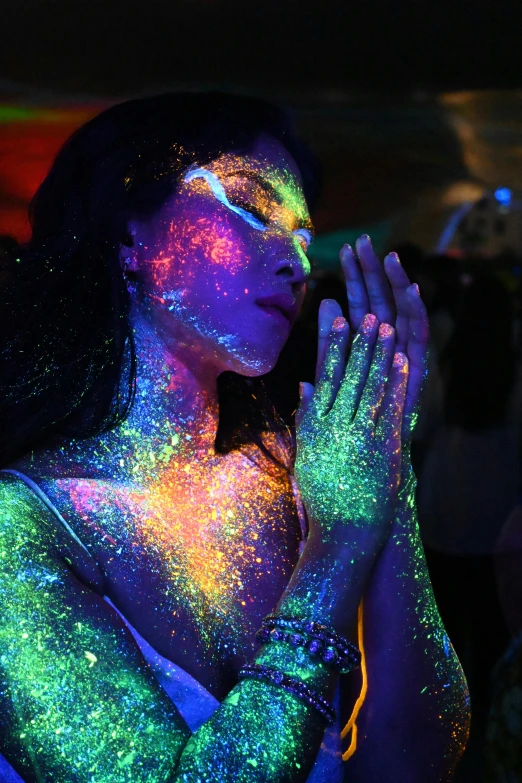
<point>364,688</point>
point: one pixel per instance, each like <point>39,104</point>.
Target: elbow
<point>455,720</point>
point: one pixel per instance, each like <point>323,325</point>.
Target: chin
<point>252,368</point>
<point>253,362</point>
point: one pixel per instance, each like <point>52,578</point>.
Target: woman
<point>150,487</point>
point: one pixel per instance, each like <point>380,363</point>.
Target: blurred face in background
<point>222,267</point>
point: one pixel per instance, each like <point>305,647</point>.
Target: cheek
<point>195,253</point>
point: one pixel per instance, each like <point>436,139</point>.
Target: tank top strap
<point>93,575</point>
<point>38,491</point>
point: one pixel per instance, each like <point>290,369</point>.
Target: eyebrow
<point>260,180</point>
<point>257,178</point>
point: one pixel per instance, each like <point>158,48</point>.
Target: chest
<point>195,560</point>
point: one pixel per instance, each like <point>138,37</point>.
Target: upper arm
<point>77,700</point>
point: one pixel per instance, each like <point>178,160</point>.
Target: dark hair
<point>479,360</point>
<point>68,364</point>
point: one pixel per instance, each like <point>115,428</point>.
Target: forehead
<point>269,162</point>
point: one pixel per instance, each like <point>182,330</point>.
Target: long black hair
<point>68,363</point>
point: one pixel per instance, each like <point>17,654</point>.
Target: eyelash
<point>252,210</point>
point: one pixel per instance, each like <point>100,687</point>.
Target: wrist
<point>356,543</point>
<point>327,585</point>
<point>342,544</point>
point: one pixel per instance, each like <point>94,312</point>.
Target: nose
<point>293,266</point>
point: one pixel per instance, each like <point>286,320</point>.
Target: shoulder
<point>27,524</point>
<point>19,503</point>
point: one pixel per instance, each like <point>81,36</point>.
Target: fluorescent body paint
<point>218,190</point>
<point>302,234</point>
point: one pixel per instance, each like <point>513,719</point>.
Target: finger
<point>417,352</point>
<point>329,310</point>
<point>389,425</point>
<point>358,302</point>
<point>377,285</point>
<point>372,396</point>
<point>357,369</point>
<point>306,391</point>
<point>332,370</point>
<point>399,283</point>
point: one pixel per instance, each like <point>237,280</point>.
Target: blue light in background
<point>503,196</point>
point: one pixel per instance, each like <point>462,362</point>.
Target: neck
<point>176,393</point>
<point>174,418</point>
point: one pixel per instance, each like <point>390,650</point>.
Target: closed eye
<point>218,190</point>
<point>251,209</point>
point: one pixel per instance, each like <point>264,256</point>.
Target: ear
<point>129,250</point>
<point>129,239</point>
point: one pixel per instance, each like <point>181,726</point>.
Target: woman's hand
<point>349,432</point>
<point>385,291</point>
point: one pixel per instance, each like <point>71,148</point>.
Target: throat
<point>174,419</point>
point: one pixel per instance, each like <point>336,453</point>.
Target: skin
<point>194,548</point>
<point>409,657</point>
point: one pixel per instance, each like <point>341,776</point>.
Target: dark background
<point>301,48</point>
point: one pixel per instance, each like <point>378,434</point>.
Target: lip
<point>278,304</point>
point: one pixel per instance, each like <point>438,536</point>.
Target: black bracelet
<point>318,639</point>
<point>256,671</point>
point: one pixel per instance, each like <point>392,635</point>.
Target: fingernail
<point>324,326</point>
<point>338,324</point>
<point>414,288</point>
<point>385,330</point>
<point>366,238</point>
<point>368,322</point>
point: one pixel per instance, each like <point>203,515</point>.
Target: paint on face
<point>303,235</point>
<point>264,199</point>
<point>218,190</point>
<point>220,244</point>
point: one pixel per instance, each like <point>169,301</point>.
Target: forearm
<point>416,712</point>
<point>261,732</point>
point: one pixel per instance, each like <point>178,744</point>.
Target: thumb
<point>306,391</point>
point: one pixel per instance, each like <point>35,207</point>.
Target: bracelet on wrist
<point>318,640</point>
<point>256,671</point>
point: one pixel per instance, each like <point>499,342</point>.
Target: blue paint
<point>219,192</point>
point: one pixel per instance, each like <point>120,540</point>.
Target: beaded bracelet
<point>257,671</point>
<point>318,639</point>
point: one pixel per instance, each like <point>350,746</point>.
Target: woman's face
<point>222,267</point>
